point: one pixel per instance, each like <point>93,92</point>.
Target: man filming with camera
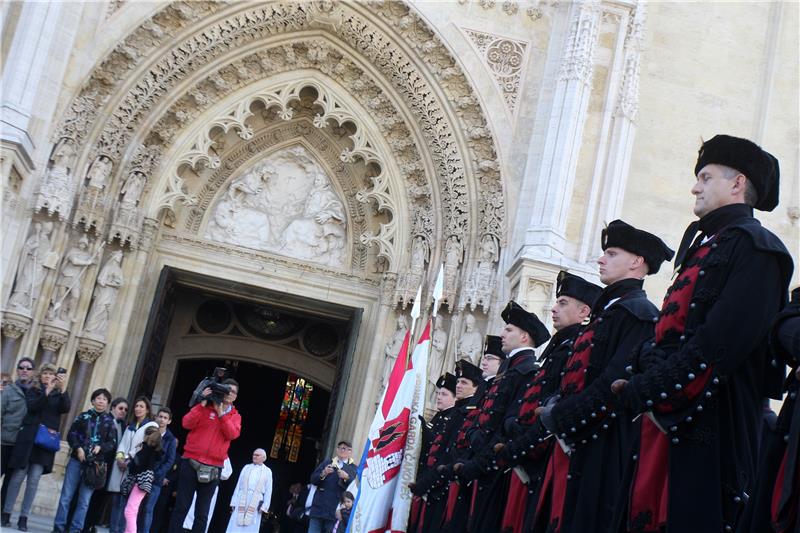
<point>212,424</point>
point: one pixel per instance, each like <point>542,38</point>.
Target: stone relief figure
<point>319,233</point>
<point>36,256</point>
<point>392,347</point>
<point>67,291</point>
<point>99,173</point>
<point>419,253</point>
<point>56,192</point>
<point>470,345</point>
<point>436,361</point>
<point>132,189</point>
<point>105,294</point>
<point>283,204</point>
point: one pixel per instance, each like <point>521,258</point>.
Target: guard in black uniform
<point>519,445</point>
<point>702,378</point>
<point>585,469</point>
<point>460,492</point>
<point>432,484</point>
<point>432,434</point>
<point>522,333</point>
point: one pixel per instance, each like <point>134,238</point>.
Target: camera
<point>61,370</point>
<point>214,382</point>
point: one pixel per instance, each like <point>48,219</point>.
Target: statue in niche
<point>55,194</point>
<point>105,294</point>
<point>470,345</point>
<point>392,348</point>
<point>419,253</point>
<point>284,204</point>
<point>319,233</point>
<point>436,361</point>
<point>36,256</point>
<point>67,291</point>
<point>62,160</point>
<point>99,173</point>
<point>132,189</point>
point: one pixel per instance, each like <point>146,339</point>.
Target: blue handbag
<point>47,439</point>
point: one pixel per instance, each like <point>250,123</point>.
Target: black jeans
<point>187,486</point>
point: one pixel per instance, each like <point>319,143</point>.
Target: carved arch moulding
<point>190,55</point>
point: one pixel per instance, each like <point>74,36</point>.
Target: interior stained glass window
<point>294,411</point>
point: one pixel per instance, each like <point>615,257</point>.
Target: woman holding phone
<point>47,401</point>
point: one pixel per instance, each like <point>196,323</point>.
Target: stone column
<point>15,326</point>
<point>89,350</point>
<point>52,339</point>
<point>545,203</point>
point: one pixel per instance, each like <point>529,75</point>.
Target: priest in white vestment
<point>252,495</point>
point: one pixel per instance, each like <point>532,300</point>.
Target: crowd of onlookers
<point>123,469</point>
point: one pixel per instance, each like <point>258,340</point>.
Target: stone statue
<point>419,253</point>
<point>30,274</point>
<point>67,291</point>
<point>56,192</point>
<point>132,190</point>
<point>318,234</point>
<point>99,173</point>
<point>105,294</point>
<point>393,347</point>
<point>436,361</point>
<point>470,345</point>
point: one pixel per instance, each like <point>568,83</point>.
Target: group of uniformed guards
<point>634,419</point>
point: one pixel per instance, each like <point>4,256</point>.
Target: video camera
<point>214,382</point>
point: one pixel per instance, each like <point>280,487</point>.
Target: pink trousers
<point>132,508</point>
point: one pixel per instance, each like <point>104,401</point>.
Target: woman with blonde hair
<point>38,439</point>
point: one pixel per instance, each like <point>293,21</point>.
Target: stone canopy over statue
<point>283,204</point>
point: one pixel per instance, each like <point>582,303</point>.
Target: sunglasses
<point>24,368</point>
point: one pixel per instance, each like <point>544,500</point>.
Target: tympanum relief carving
<point>284,204</point>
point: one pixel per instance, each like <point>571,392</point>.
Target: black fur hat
<point>619,234</point>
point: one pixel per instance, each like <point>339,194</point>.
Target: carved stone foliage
<point>505,58</point>
<point>577,61</point>
<point>634,42</point>
<point>392,47</point>
<point>283,204</point>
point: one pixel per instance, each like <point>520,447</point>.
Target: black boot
<point>5,519</point>
<point>22,523</point>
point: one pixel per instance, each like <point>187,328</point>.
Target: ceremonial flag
<point>389,461</point>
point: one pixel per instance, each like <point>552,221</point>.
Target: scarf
<point>246,507</point>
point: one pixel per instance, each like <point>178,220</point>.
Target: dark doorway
<point>259,402</point>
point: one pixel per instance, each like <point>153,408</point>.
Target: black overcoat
<point>703,383</point>
<point>44,409</point>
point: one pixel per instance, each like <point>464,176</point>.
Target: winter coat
<point>329,490</point>
<point>14,408</point>
<point>42,409</point>
<point>210,435</point>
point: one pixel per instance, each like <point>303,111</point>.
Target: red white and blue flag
<point>389,461</point>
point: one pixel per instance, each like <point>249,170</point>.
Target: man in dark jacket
<point>14,407</point>
<point>585,469</point>
<point>775,503</point>
<point>169,445</point>
<point>702,378</point>
<point>331,478</point>
<point>519,445</point>
<point>522,333</point>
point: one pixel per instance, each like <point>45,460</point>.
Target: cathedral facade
<point>269,183</point>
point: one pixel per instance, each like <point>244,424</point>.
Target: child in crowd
<point>343,512</point>
<point>139,480</point>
